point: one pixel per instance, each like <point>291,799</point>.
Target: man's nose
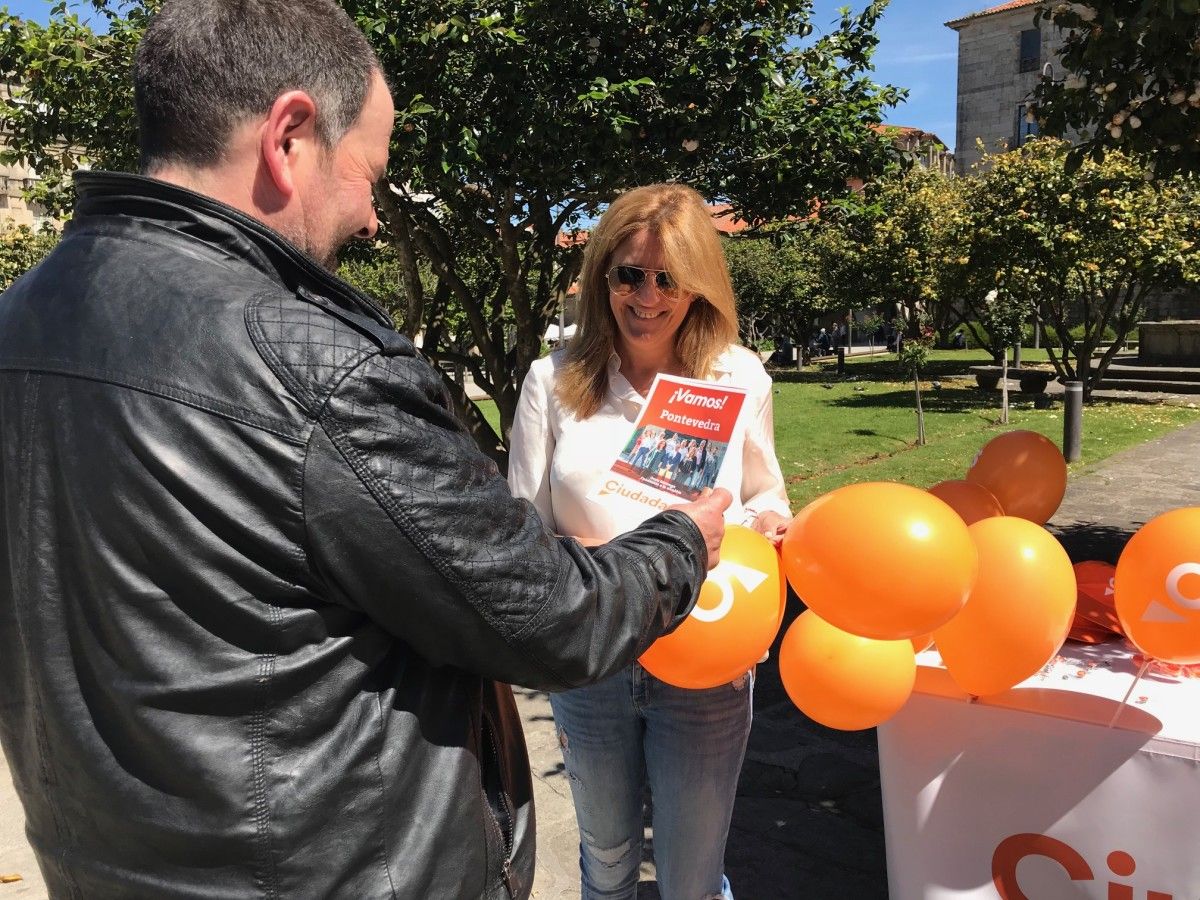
<point>368,231</point>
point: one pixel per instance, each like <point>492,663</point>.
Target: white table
<point>1029,794</point>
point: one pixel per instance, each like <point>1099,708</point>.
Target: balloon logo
<point>723,577</point>
<point>880,560</point>
<point>734,621</point>
<point>1158,587</point>
<point>1175,578</point>
<point>842,680</point>
<point>1019,611</point>
<point>1025,471</point>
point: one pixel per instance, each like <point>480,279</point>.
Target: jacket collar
<point>118,194</point>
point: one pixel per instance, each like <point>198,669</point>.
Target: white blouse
<point>555,460</point>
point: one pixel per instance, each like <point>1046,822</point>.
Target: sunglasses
<point>626,280</point>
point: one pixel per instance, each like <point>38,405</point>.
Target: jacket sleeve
<point>408,522</point>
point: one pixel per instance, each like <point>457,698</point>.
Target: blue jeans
<point>632,728</point>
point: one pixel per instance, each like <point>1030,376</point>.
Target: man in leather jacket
<point>260,596</point>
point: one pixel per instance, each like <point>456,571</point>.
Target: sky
<point>916,51</point>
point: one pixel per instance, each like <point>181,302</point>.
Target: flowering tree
<point>904,243</point>
<point>1084,246</point>
<point>1133,81</point>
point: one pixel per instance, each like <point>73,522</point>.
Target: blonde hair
<point>680,219</point>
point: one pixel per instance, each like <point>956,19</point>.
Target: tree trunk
<point>920,411</point>
<point>1003,388</point>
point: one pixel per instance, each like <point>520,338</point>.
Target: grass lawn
<point>832,431</point>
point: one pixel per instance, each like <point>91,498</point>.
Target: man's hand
<point>709,515</point>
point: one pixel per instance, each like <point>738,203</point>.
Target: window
<point>1031,50</point>
<point>1027,126</point>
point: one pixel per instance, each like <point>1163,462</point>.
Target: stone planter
<point>1169,343</point>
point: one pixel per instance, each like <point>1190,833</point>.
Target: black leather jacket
<point>260,596</point>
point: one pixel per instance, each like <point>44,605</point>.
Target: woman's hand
<point>772,526</point>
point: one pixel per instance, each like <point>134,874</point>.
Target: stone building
<point>15,179</point>
<point>14,209</point>
<point>1001,55</point>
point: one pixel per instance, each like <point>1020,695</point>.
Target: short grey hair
<point>205,66</point>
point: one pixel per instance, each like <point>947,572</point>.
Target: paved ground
<point>808,820</point>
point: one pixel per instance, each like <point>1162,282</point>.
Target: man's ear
<point>288,138</point>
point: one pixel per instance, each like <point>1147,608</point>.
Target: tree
<point>1003,315</point>
<point>914,354</point>
<point>518,122</point>
<point>71,94</point>
<point>781,283</point>
<point>903,237</point>
<point>1132,84</point>
<point>1083,247</point>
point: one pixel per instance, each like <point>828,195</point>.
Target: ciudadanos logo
<point>637,495</point>
<point>1013,849</point>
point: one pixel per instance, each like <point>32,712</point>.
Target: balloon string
<point>1136,679</point>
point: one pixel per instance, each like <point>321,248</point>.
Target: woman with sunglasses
<point>655,296</point>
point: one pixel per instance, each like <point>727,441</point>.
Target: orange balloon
<point>1019,611</point>
<point>922,642</point>
<point>734,621</point>
<point>842,680</point>
<point>1158,587</point>
<point>1025,471</point>
<point>970,500</point>
<point>880,560</point>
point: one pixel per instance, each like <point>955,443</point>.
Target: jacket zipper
<point>507,827</point>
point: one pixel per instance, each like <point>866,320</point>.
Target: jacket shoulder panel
<point>311,342</point>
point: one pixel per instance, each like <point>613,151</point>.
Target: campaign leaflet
<point>677,445</point>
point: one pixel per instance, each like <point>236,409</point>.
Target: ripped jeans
<point>632,728</point>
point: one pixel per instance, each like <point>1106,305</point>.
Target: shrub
<point>22,248</point>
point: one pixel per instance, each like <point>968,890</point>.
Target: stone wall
<point>1178,305</point>
<point>990,83</point>
<point>1169,343</point>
